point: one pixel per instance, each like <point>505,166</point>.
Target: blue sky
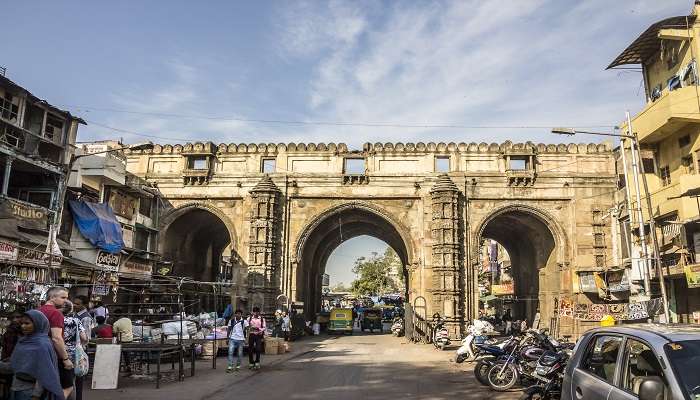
<point>470,63</point>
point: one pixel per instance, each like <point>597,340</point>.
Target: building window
<point>665,175</point>
<point>141,239</point>
<point>688,163</point>
<point>517,163</point>
<point>145,205</point>
<point>648,165</point>
<point>600,261</point>
<point>42,198</point>
<point>442,164</point>
<point>621,181</point>
<point>9,107</point>
<point>54,128</point>
<point>683,141</point>
<point>197,163</point>
<point>120,203</point>
<point>269,165</point>
<point>354,166</point>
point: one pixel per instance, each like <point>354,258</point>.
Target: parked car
<point>637,361</point>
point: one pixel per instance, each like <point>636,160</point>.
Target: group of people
<point>250,329</point>
<point>39,346</point>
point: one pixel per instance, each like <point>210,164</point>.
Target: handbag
<point>81,363</point>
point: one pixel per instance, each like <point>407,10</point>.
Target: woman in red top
<point>102,330</point>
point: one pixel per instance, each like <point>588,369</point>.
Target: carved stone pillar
<point>263,256</point>
<point>447,254</point>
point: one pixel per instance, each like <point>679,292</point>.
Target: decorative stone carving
<point>263,257</point>
<point>446,253</point>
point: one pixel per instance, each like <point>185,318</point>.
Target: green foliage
<point>374,274</point>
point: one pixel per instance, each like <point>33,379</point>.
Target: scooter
<point>397,328</point>
<point>469,350</point>
<point>441,336</point>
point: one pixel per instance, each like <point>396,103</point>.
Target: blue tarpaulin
<point>96,221</point>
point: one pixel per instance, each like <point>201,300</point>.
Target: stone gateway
<point>268,216</point>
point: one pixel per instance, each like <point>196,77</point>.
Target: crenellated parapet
<point>389,147</point>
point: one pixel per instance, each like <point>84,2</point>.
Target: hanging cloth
<point>97,223</point>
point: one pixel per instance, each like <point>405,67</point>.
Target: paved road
<point>361,366</point>
<point>365,367</point>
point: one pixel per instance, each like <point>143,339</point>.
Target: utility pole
<point>640,215</point>
<point>652,226</point>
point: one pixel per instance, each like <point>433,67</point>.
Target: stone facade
<point>284,223</point>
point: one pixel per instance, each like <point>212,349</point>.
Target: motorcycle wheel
<point>481,371</point>
<point>502,381</point>
<point>533,395</point>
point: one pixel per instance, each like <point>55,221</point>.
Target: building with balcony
<point>668,131</point>
<point>36,144</point>
<point>100,180</point>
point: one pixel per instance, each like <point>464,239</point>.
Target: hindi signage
<point>108,261</point>
<point>136,268</point>
<point>8,250</point>
<point>38,258</point>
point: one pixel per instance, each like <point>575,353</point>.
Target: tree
<point>373,274</point>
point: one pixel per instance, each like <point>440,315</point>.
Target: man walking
<point>236,339</point>
<point>256,326</point>
<point>508,321</point>
<point>55,299</point>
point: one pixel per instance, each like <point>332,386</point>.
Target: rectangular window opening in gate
<point>354,166</point>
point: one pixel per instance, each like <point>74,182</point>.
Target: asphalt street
<point>361,366</point>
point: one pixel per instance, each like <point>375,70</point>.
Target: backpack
<point>232,325</point>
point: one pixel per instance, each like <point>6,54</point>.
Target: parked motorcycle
<point>488,354</point>
<point>477,331</point>
<point>397,328</point>
<point>441,336</point>
<point>521,362</point>
<point>550,375</point>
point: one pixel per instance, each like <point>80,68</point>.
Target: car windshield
<point>685,358</point>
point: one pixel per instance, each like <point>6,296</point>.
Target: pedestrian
<point>100,310</point>
<point>34,361</point>
<point>55,298</point>
<point>508,321</point>
<point>12,334</point>
<point>80,304</point>
<point>123,328</point>
<point>277,328</point>
<point>256,334</point>
<point>236,339</point>
<point>102,330</point>
<point>74,335</point>
<point>286,326</point>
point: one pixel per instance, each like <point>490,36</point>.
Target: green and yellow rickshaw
<point>340,321</point>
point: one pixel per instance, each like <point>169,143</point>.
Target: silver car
<point>638,361</point>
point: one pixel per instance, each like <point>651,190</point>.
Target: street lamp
<point>636,168</point>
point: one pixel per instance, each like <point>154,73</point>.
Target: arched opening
<point>195,242</point>
<point>530,245</point>
<point>327,234</point>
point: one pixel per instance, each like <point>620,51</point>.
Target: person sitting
<point>103,330</point>
<point>123,329</point>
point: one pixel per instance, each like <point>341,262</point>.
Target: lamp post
<point>637,168</point>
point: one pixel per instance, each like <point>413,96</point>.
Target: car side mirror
<point>652,388</point>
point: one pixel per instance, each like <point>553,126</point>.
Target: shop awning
<point>488,298</point>
<point>97,223</point>
<point>8,229</point>
<point>36,238</point>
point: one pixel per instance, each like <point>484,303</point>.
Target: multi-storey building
<point>36,143</point>
<point>668,131</point>
<point>102,178</point>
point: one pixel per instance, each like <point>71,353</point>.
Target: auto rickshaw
<point>372,319</point>
<point>340,321</point>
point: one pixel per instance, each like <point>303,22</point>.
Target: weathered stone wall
<point>561,187</point>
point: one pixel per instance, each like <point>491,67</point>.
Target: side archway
<point>537,246</point>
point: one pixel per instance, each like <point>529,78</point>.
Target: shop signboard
<point>587,282</point>
<point>27,215</point>
<point>134,267</point>
<point>8,250</point>
<point>502,289</point>
<point>692,275</point>
<point>38,258</point>
<point>617,281</point>
<point>108,261</point>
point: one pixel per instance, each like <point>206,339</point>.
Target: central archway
<point>535,246</point>
<point>328,231</point>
